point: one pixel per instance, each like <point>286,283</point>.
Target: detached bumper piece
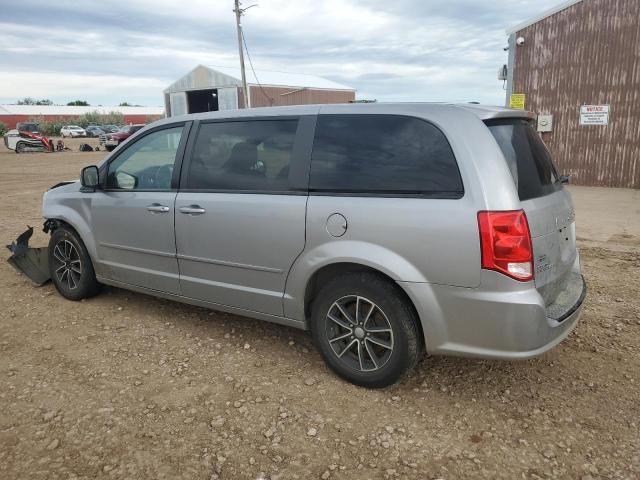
<point>32,262</point>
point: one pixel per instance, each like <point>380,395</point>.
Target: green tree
<point>78,103</point>
<point>33,101</point>
<point>125,104</point>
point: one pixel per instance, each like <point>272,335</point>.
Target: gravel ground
<point>129,386</point>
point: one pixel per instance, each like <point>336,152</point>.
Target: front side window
<point>243,155</point>
<point>146,164</point>
<point>385,154</point>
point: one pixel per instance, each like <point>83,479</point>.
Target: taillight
<point>505,243</point>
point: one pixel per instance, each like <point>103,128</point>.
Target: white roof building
<point>73,111</point>
<point>212,88</point>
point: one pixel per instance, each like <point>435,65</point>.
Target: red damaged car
<point>112,140</point>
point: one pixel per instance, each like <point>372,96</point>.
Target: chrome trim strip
<point>137,250</point>
<point>192,259</point>
<point>230,264</point>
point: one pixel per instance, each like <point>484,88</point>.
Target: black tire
<point>70,266</point>
<point>110,148</point>
<point>392,323</point>
<point>20,147</point>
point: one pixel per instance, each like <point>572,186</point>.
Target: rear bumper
<point>496,321</point>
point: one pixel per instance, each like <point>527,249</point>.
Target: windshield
<point>527,156</point>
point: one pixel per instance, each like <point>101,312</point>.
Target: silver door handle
<point>192,210</point>
<point>155,207</point>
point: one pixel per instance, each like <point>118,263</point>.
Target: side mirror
<point>564,178</point>
<point>89,177</point>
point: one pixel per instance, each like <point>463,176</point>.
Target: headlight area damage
<point>32,262</point>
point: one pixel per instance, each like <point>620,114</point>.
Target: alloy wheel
<point>359,333</point>
<point>68,267</point>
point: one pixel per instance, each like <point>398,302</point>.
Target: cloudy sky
<point>129,50</point>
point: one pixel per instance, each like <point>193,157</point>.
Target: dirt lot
<point>129,386</point>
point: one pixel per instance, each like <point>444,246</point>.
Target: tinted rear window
<point>387,154</point>
<point>527,156</point>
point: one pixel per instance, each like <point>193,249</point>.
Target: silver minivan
<point>387,230</point>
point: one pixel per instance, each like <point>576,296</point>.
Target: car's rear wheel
<point>70,265</point>
<point>365,329</point>
<point>110,148</point>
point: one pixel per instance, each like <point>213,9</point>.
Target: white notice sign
<point>594,115</point>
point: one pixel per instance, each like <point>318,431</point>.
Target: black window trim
<point>443,195</point>
<point>175,178</point>
<point>300,155</point>
<point>557,185</point>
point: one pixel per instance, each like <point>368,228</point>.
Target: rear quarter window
<point>528,158</point>
<point>382,154</point>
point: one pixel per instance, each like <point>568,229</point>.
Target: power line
<point>244,40</point>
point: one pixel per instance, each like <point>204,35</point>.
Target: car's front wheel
<point>70,265</point>
<point>365,329</point>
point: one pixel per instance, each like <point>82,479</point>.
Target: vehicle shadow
<point>451,376</point>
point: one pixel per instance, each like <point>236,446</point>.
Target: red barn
<point>12,114</point>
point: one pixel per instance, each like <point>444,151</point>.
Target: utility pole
<point>238,11</point>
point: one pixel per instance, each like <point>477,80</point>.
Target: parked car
<point>112,140</point>
<point>72,131</point>
<point>94,131</point>
<point>109,128</point>
<point>386,230</point>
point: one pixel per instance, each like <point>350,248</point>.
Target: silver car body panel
<point>239,251</point>
<point>256,254</point>
<point>135,245</point>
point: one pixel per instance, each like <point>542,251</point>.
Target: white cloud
<point>73,85</point>
<point>401,50</point>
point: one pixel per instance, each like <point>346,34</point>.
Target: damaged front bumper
<point>32,262</point>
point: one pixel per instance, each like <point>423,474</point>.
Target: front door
<point>240,223</point>
<point>133,216</point>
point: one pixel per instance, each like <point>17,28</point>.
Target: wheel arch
<point>71,219</point>
<point>364,254</point>
<point>329,271</point>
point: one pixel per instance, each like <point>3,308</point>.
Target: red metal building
<point>12,114</point>
<point>578,67</point>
